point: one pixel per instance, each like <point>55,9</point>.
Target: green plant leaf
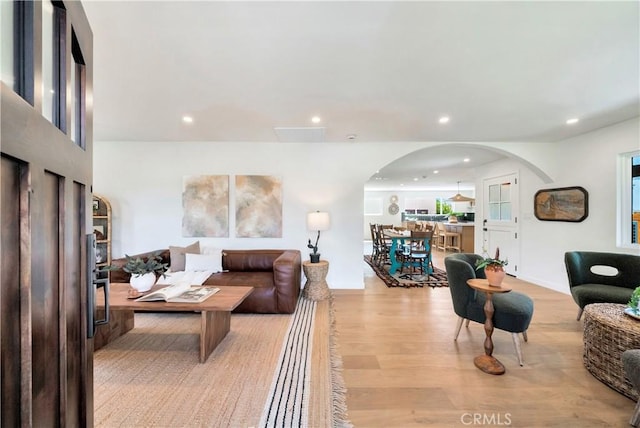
<point>635,299</point>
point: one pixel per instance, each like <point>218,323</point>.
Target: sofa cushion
<point>586,294</point>
<point>177,255</point>
<point>263,299</point>
<point>251,279</point>
<point>513,311</point>
<point>203,262</point>
<point>250,261</point>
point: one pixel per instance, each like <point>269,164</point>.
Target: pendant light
<point>459,198</point>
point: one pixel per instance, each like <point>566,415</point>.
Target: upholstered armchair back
<point>579,264</point>
<point>461,267</point>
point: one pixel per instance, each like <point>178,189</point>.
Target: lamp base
<point>315,258</point>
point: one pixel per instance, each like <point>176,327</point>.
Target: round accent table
<point>316,287</point>
<point>608,332</point>
<point>487,362</point>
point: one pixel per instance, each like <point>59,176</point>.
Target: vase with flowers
<point>493,268</point>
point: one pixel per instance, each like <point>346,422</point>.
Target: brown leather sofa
<point>274,274</point>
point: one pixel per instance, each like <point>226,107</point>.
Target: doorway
<point>500,227</point>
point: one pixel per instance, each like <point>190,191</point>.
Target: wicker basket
<point>608,332</point>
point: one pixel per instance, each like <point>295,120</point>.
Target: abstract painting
<point>258,206</point>
<point>205,206</point>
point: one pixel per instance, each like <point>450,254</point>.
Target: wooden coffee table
<point>215,311</point>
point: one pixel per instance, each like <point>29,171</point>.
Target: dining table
<point>398,240</point>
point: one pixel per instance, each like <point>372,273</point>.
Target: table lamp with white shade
<point>317,221</point>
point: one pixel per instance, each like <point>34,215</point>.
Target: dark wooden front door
<point>45,200</point>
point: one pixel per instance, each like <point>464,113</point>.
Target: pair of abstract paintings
<point>258,206</point>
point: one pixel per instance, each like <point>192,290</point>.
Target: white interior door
<point>500,222</point>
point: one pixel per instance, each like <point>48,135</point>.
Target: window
<point>53,63</point>
<point>47,60</point>
<point>78,101</point>
<point>628,200</point>
<point>443,206</point>
<point>7,72</point>
<point>500,202</point>
<point>17,20</point>
<point>635,198</point>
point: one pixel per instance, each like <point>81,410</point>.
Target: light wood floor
<point>403,369</point>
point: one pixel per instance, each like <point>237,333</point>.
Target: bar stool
<point>449,240</point>
<point>438,237</point>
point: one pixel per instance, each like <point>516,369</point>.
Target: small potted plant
<point>634,302</point>
<point>315,256</point>
<point>143,272</point>
<point>493,268</point>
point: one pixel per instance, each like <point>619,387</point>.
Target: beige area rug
<point>150,377</point>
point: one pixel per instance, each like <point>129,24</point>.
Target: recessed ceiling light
<point>572,120</point>
<point>466,160</point>
<point>444,119</point>
<point>415,179</point>
<point>316,119</point>
<point>187,119</point>
<point>435,171</point>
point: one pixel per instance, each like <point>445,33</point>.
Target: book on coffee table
<point>180,294</point>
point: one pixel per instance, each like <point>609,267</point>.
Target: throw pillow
<point>177,255</point>
<point>202,262</point>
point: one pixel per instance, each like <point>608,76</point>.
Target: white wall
<point>589,161</point>
<point>143,181</point>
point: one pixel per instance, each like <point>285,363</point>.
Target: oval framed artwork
<point>561,204</point>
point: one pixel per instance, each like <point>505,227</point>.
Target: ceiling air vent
<point>300,135</point>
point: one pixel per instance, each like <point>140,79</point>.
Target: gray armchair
<point>631,363</point>
<point>513,310</point>
<point>588,287</point>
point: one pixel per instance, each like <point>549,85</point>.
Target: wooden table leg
<point>120,322</point>
<point>487,363</point>
<point>392,257</point>
<point>214,326</point>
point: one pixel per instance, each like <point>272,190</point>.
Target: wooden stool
<point>452,241</point>
<point>446,239</point>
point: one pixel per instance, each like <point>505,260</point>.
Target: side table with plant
<point>493,268</point>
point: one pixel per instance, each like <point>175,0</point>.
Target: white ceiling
<point>384,71</point>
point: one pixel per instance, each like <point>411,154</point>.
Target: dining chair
<point>375,250</point>
<point>512,311</point>
<point>418,254</point>
<point>384,244</point>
